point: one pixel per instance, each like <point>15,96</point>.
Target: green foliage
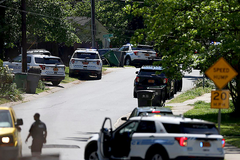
<point>207,83</point>
<point>41,85</point>
<point>178,28</point>
<point>46,21</point>
<point>8,89</point>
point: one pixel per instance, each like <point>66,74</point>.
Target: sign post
<point>220,73</point>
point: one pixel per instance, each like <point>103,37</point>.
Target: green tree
<point>179,27</point>
<point>46,21</point>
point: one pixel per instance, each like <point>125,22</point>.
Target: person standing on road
<point>38,131</point>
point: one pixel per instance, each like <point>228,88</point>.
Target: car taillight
<point>42,67</point>
<point>137,79</point>
<point>223,143</point>
<point>135,52</point>
<point>98,62</point>
<point>64,67</point>
<point>165,80</point>
<point>156,55</point>
<point>182,141</point>
<point>72,61</point>
<point>155,111</point>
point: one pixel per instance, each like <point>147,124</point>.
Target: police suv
<point>138,55</point>
<point>85,61</point>
<point>157,138</point>
<point>52,67</point>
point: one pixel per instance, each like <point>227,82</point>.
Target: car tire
<point>99,76</point>
<point>128,61</point>
<point>155,155</point>
<point>134,94</point>
<point>70,73</point>
<point>56,83</point>
<point>92,153</point>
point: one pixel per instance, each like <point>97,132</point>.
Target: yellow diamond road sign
<point>221,73</point>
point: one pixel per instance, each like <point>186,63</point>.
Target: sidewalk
<point>231,152</point>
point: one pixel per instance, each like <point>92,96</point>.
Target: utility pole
<point>93,28</point>
<point>24,43</point>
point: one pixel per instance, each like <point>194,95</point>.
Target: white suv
<point>139,55</point>
<point>157,138</point>
<point>52,67</point>
<point>85,61</point>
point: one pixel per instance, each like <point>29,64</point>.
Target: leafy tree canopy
<point>178,28</point>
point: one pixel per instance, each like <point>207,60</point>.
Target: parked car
<point>149,111</point>
<point>52,67</point>
<point>85,61</point>
<point>154,138</point>
<point>147,76</point>
<point>138,55</point>
<point>10,138</point>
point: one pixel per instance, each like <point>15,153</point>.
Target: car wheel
<point>99,76</point>
<point>134,94</point>
<point>56,83</point>
<point>128,61</point>
<point>70,73</point>
<point>92,153</point>
<point>155,155</point>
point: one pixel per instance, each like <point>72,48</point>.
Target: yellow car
<point>10,138</point>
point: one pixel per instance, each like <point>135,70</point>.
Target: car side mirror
<point>124,118</point>
<point>69,56</point>
<point>19,122</point>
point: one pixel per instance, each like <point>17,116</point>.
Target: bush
<point>8,89</point>
<point>207,83</point>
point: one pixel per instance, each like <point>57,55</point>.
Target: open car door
<point>105,138</point>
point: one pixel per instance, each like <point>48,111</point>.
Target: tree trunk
<point>2,25</point>
<point>235,89</point>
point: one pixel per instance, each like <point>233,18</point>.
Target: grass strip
<point>230,125</point>
<point>191,94</point>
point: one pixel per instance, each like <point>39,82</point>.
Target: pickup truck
<point>156,138</point>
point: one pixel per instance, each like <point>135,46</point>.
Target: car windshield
<point>5,119</point>
<point>48,60</point>
<point>86,55</point>
<point>150,72</point>
<point>192,128</point>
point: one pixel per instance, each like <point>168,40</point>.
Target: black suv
<point>148,77</point>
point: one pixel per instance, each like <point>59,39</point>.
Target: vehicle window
<point>5,119</point>
<point>193,128</point>
<point>131,127</point>
<point>150,72</point>
<point>146,127</point>
<point>198,128</point>
<point>86,55</point>
<point>48,60</point>
<point>134,113</point>
<point>172,128</point>
<point>153,114</point>
<point>17,59</point>
<point>28,59</point>
<point>124,48</point>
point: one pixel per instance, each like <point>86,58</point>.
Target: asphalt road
<point>73,113</point>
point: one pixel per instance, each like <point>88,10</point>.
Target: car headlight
<point>5,139</point>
